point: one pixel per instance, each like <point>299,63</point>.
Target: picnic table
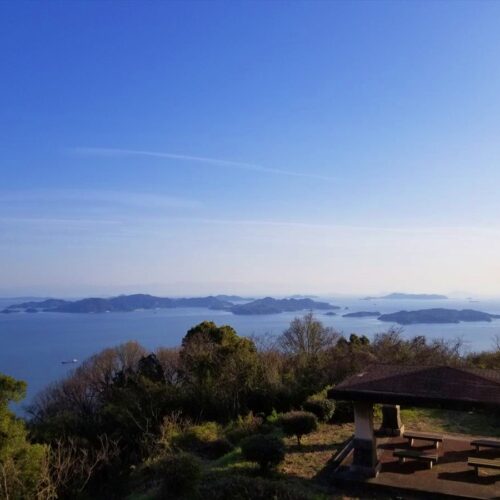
<point>485,443</point>
<point>422,456</point>
<point>423,436</point>
<point>483,462</point>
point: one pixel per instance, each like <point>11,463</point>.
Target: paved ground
<point>451,476</point>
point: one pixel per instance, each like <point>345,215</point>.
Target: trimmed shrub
<point>180,475</point>
<point>268,451</point>
<point>298,423</point>
<point>236,487</point>
<point>322,408</point>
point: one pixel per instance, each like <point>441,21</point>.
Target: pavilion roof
<point>441,386</point>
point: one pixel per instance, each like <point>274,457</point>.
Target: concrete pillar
<point>365,459</point>
<point>391,421</point>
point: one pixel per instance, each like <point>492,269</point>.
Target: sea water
<point>34,345</point>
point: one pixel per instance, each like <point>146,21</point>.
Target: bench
<point>485,443</point>
<point>422,436</point>
<point>483,462</point>
<point>416,455</point>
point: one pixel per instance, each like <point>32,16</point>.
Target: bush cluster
<point>179,475</point>
<point>266,450</point>
<point>298,423</point>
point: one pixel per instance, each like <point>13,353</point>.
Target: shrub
<point>322,408</point>
<point>170,430</point>
<point>236,487</point>
<point>344,412</point>
<point>268,451</point>
<point>218,448</point>
<point>180,475</point>
<point>273,418</point>
<point>298,423</point>
<point>197,438</point>
<point>242,428</point>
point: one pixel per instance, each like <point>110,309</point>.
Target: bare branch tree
<point>308,336</point>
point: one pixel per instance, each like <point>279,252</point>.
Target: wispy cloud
<point>431,230</point>
<point>216,162</point>
<point>107,197</point>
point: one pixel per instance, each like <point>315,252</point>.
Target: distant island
<point>362,314</point>
<point>233,298</point>
<point>128,303</point>
<point>122,303</point>
<point>269,305</point>
<point>429,316</point>
<point>410,296</point>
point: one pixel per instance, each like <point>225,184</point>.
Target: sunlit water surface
<point>32,346</point>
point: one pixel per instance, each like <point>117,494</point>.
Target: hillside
<point>429,316</point>
<point>269,305</point>
<point>122,303</point>
<point>362,314</point>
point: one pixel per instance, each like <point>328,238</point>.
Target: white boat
<point>69,361</point>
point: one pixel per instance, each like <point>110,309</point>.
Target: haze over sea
<point>34,345</point>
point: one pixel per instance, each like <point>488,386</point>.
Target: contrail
<point>200,159</point>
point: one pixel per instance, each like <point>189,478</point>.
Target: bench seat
<point>430,458</point>
<point>423,436</point>
<point>483,462</point>
<point>485,443</point>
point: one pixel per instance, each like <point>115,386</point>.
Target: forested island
<point>128,303</point>
<point>269,305</point>
<point>430,316</point>
<point>362,314</point>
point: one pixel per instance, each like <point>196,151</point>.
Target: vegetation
<point>21,463</point>
<point>298,423</point>
<point>201,420</point>
<point>320,405</point>
<point>267,450</point>
<point>180,475</point>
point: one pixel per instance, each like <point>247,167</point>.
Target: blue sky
<point>251,147</point>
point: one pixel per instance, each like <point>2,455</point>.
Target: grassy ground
<point>451,422</point>
<point>307,466</point>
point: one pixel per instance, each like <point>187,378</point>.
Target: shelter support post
<point>365,459</point>
<point>391,421</point>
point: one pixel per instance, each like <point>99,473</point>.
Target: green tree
<point>219,367</point>
<point>21,463</point>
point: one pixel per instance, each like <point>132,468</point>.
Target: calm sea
<point>32,346</point>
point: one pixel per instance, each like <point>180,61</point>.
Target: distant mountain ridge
<point>410,296</point>
<point>128,303</point>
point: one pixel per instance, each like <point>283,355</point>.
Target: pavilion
<point>446,387</point>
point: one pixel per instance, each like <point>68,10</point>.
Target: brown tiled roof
<point>444,386</point>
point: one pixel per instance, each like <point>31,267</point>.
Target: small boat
<point>69,361</point>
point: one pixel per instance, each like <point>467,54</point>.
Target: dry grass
<point>307,461</point>
<point>451,422</point>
